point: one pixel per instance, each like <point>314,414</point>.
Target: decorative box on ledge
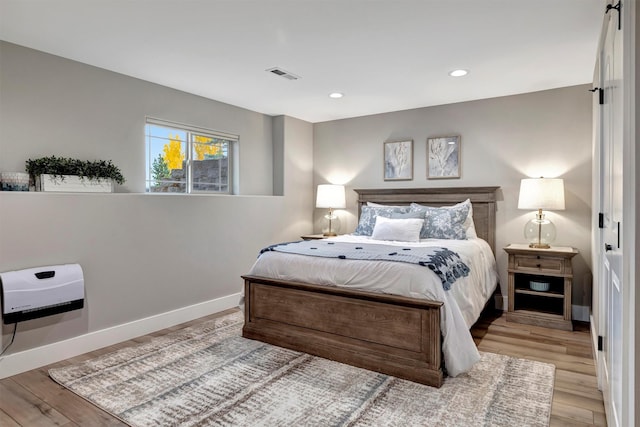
<point>73,183</point>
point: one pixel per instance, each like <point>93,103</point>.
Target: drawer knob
<point>538,265</point>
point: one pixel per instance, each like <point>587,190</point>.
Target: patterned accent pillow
<point>444,222</point>
<point>368,216</point>
<point>414,215</point>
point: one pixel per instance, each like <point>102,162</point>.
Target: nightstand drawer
<point>538,264</point>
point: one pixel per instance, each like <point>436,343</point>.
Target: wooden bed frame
<point>390,334</point>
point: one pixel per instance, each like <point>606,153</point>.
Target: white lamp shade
<point>331,196</point>
<point>541,193</point>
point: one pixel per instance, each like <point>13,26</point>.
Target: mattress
<point>463,303</point>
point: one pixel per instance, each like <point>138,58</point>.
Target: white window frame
<point>190,129</point>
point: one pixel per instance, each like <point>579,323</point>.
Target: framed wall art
<point>443,157</point>
<point>398,160</point>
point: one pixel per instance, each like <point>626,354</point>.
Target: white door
<point>610,252</point>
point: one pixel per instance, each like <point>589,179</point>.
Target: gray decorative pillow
<point>444,222</point>
<point>368,216</point>
<point>413,215</point>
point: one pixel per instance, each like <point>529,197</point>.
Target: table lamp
<point>541,194</point>
<point>333,197</point>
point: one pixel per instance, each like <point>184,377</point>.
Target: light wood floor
<point>33,399</point>
<point>576,398</point>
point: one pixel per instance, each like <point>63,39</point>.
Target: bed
<point>392,334</point>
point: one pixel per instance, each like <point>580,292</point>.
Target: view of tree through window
<point>183,159</point>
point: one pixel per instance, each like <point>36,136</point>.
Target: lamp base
<point>539,245</point>
<point>331,225</point>
<point>540,232</point>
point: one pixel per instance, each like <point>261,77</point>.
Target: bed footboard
<point>390,334</point>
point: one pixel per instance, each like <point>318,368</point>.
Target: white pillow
<point>469,225</point>
<point>402,230</point>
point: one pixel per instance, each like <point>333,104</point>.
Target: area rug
<point>209,375</point>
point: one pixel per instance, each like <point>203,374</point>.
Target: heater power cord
<point>13,336</point>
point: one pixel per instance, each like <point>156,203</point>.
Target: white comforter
<point>462,304</point>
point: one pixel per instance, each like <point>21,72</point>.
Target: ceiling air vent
<point>282,73</point>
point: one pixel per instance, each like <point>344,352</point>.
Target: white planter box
<point>74,184</point>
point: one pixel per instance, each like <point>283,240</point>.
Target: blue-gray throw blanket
<point>445,263</point>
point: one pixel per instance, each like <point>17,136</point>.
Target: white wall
<point>142,254</point>
<point>503,140</point>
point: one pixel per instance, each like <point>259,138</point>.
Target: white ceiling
<point>385,55</point>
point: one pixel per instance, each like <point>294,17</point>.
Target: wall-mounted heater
<point>43,291</point>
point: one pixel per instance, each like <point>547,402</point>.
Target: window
<point>187,159</point>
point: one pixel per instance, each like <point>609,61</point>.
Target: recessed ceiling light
<point>458,73</point>
<point>336,95</point>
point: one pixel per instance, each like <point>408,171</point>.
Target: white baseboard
<point>580,313</point>
<point>500,302</point>
<point>16,363</point>
<point>505,303</point>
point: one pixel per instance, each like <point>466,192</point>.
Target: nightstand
<point>313,237</point>
<point>539,286</point>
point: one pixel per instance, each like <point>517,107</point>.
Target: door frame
<point>630,242</point>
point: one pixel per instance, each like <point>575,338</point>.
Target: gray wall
<point>51,105</point>
<point>142,254</point>
<point>147,254</point>
<point>503,140</point>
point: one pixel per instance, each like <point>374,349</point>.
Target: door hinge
<point>600,220</point>
<point>600,94</point>
<point>617,7</point>
<point>600,342</point>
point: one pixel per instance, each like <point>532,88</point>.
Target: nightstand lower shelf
<point>538,318</point>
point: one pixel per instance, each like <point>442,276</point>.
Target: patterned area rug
<point>209,375</point>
